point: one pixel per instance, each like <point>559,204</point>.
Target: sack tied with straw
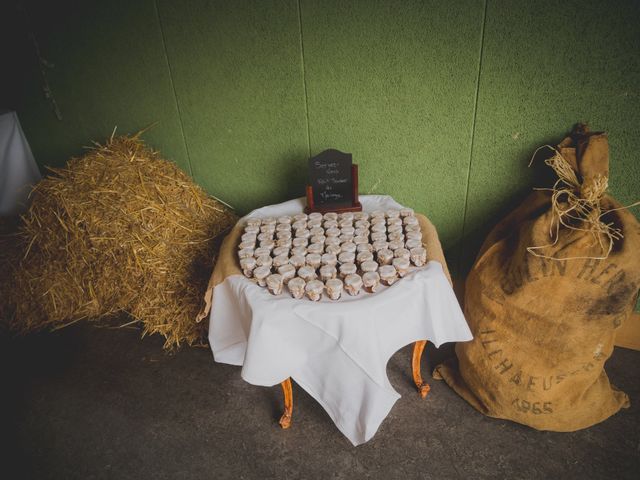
<point>550,286</point>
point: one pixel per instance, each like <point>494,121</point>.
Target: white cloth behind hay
<point>18,169</point>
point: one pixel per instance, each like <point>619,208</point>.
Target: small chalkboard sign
<point>333,183</point>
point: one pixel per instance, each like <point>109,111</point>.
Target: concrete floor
<point>92,403</point>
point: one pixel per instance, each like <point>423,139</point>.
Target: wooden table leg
<point>285,419</point>
<point>423,387</point>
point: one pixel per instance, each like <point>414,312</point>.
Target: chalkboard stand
<point>355,207</point>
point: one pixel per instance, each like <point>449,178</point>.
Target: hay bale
<point>118,230</point>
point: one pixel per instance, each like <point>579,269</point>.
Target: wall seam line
<point>473,133</point>
<point>304,79</point>
<point>173,88</point>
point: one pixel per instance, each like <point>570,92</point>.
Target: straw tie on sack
<point>575,201</point>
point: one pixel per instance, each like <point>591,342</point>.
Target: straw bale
<point>118,230</point>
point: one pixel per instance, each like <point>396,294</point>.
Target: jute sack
<point>550,286</point>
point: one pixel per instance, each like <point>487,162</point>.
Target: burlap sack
<point>544,318</point>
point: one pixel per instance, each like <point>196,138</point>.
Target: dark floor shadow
<point>24,361</point>
<point>275,398</point>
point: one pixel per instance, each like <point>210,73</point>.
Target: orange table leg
<point>285,420</point>
<point>423,387</point>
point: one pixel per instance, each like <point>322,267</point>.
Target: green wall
<point>441,103</point>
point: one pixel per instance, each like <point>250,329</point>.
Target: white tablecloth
<point>18,169</point>
<point>336,350</point>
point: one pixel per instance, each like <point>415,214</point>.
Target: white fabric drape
<point>18,169</point>
<point>336,350</point>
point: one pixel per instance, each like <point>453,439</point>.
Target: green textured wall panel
<point>108,68</point>
<point>545,66</point>
<point>238,75</point>
<point>394,83</point>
